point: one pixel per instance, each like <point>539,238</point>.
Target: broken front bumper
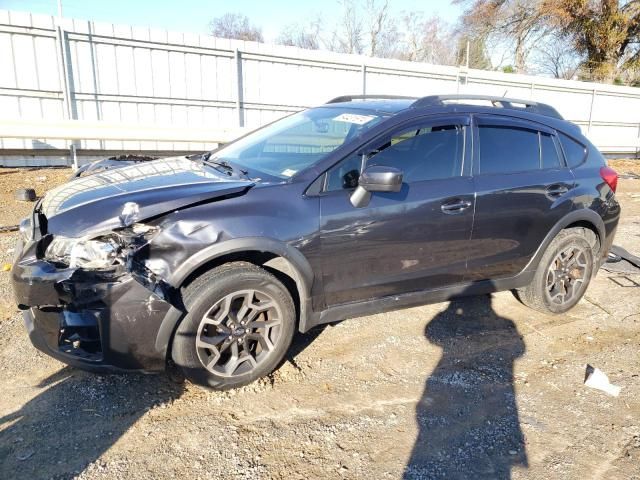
<point>91,320</point>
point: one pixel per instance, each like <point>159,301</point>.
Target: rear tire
<point>563,274</point>
<point>239,324</point>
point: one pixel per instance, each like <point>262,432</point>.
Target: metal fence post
<point>73,153</point>
<point>66,82</point>
<point>364,79</point>
<point>239,87</point>
<point>593,98</point>
<point>67,74</point>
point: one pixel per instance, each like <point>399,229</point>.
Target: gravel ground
<point>476,388</point>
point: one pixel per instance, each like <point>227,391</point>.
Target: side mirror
<point>377,178</point>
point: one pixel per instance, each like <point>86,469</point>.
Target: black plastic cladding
<point>339,256</point>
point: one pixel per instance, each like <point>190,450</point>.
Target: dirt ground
<point>476,388</point>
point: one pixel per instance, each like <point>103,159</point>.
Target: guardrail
<point>95,130</point>
<point>75,130</point>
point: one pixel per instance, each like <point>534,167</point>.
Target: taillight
<point>610,177</point>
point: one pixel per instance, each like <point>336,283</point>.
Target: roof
<point>394,104</point>
<point>384,105</point>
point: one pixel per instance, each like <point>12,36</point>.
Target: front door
<point>402,242</point>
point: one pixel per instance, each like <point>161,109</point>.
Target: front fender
<point>297,261</point>
<point>299,267</point>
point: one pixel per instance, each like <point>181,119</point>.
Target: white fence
<point>89,71</point>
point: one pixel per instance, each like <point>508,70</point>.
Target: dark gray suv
<point>358,206</point>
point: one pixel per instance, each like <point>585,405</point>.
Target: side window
<point>574,152</point>
<point>548,152</point>
<point>508,149</point>
<point>344,175</point>
<point>424,153</point>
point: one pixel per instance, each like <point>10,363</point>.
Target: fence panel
<point>76,69</point>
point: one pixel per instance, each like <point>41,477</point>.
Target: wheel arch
<point>281,259</point>
<point>578,218</point>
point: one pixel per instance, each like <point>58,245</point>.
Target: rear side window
<point>508,149</point>
<point>548,151</point>
<point>574,152</point>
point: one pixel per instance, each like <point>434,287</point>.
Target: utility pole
<point>467,63</point>
<point>59,9</point>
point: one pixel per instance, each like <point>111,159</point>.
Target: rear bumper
<point>89,320</point>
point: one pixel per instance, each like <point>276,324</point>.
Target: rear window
<point>508,149</point>
<point>574,152</point>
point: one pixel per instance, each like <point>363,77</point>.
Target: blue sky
<point>194,15</point>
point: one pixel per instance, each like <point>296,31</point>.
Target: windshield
<point>289,145</point>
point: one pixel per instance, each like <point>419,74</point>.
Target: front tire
<point>239,324</point>
<point>563,274</point>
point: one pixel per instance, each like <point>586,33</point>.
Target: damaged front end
<point>82,273</point>
<point>88,301</point>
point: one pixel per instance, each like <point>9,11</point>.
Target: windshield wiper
<point>228,168</point>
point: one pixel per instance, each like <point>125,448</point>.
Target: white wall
<point>119,73</point>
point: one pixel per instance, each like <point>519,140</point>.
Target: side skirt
<point>396,302</point>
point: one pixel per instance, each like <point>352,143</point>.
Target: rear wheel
<point>563,274</point>
<point>239,325</point>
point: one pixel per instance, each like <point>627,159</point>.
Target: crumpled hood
<point>94,204</point>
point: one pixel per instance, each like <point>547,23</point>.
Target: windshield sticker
<point>353,118</point>
<point>288,172</point>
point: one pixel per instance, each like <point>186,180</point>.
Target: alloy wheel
<point>566,275</point>
<point>239,332</point>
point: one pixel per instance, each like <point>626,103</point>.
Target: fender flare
<point>299,267</point>
<point>584,215</point>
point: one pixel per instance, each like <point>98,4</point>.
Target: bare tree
<point>605,33</point>
<point>378,23</point>
<point>302,36</point>
<point>412,41</point>
<point>236,27</point>
<point>555,59</point>
<point>347,37</point>
<point>429,40</point>
<point>523,22</point>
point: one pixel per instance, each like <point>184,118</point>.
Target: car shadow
<point>301,341</point>
<point>76,418</point>
<point>467,416</point>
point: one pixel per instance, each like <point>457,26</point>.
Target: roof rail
<point>349,98</point>
<point>529,105</point>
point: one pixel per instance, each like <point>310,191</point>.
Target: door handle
<point>455,206</point>
<point>556,190</point>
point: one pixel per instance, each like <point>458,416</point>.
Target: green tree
<point>478,57</point>
<point>606,32</point>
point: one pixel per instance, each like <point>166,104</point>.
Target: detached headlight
<point>77,252</point>
<point>26,229</point>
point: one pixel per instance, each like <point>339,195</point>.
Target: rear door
<point>522,189</point>
<point>408,241</point>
